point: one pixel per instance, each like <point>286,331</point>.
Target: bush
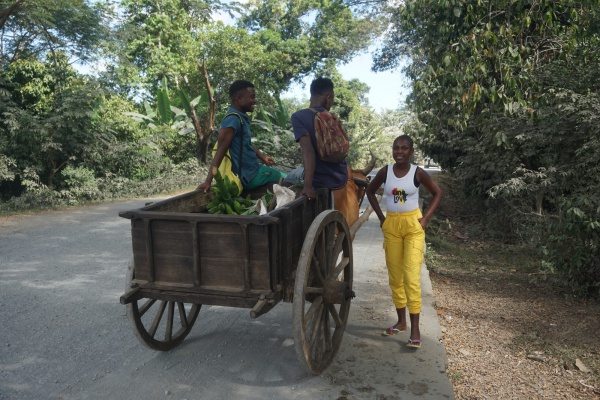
<point>83,187</point>
<point>573,247</point>
<point>81,184</point>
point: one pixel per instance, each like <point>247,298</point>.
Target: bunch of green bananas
<point>227,201</point>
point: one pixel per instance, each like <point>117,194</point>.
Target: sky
<point>388,90</point>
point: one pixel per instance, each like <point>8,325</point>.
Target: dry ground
<point>508,333</point>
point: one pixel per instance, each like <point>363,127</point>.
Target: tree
<point>231,53</point>
<point>307,33</point>
<point>47,121</point>
<point>474,59</point>
<point>156,40</point>
<point>36,28</point>
<point>505,93</point>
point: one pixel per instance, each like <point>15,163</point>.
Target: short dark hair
<point>238,86</point>
<point>321,86</point>
<point>407,138</point>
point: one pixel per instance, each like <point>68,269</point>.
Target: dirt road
<point>64,335</point>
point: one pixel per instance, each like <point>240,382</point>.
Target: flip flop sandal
<point>416,343</point>
<point>391,331</point>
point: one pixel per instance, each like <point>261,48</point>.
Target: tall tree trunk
<point>201,155</point>
<point>539,198</point>
<point>208,126</point>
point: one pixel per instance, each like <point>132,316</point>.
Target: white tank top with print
<point>401,194</point>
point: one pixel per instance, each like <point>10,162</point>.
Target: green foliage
<point>163,104</point>
<point>80,184</point>
<point>170,130</point>
<point>571,249</point>
<point>305,33</point>
<point>48,119</point>
<point>473,60</point>
<point>507,97</point>
<point>6,168</point>
<point>231,53</point>
<point>184,176</point>
<point>36,28</point>
<point>156,40</point>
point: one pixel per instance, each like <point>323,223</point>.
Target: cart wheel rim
<point>322,291</point>
<point>160,324</point>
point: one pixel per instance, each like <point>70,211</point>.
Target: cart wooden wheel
<point>156,328</point>
<point>322,291</point>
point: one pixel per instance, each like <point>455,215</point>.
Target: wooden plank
<point>149,251</point>
<point>259,257</point>
<point>172,237</point>
<point>217,299</point>
<point>220,272</point>
<point>245,256</point>
<point>196,252</point>
<point>173,268</point>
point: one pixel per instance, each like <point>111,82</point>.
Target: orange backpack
<point>332,140</point>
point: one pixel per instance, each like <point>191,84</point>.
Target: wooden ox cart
<point>184,258</point>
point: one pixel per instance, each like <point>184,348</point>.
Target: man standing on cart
<point>318,174</point>
<point>235,136</point>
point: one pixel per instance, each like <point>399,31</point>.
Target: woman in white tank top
<point>403,229</point>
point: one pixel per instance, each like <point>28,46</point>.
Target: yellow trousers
<point>404,241</point>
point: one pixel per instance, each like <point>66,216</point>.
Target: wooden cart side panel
<point>259,257</point>
<point>230,255</point>
<point>221,255</point>
<point>140,257</point>
<point>234,255</point>
<point>172,251</point>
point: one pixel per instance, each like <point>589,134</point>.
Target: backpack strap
<point>241,140</point>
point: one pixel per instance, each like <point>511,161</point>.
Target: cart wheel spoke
<point>316,270</point>
<point>182,317</point>
<point>327,332</point>
<point>170,316</point>
<point>321,255</point>
<point>313,309</point>
<point>329,238</point>
<point>340,267</point>
<point>315,332</point>
<point>321,348</point>
<point>153,327</point>
<point>146,306</point>
<point>323,281</point>
<point>338,248</point>
<point>335,315</point>
<point>157,318</point>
